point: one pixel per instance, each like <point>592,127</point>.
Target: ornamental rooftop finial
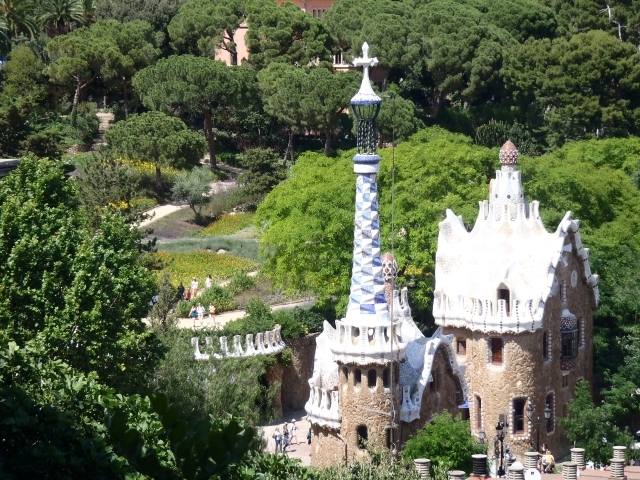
<point>365,95</point>
<point>508,154</point>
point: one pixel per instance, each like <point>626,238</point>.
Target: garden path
<point>302,450</point>
<point>104,120</point>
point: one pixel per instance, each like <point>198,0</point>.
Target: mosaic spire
<point>367,295</point>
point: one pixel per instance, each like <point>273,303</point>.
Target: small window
<point>357,377</point>
<point>345,372</point>
<point>496,351</point>
<point>569,343</point>
<point>551,420</point>
<point>565,381</point>
<point>545,345</point>
<point>363,436</point>
<point>518,415</point>
<point>385,378</point>
<point>478,413</point>
<point>503,294</point>
<point>462,346</point>
<point>371,378</point>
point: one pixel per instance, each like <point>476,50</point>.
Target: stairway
<point>104,119</point>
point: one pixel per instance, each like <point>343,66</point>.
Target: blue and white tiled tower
<point>365,333</point>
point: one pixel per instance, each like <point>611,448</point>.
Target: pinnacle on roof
<point>509,154</point>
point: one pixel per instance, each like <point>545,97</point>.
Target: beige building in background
<point>519,302</point>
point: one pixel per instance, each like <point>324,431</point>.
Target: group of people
<point>184,294</point>
<point>285,438</point>
<point>197,312</point>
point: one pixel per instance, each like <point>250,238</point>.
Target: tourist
<point>548,462</point>
<point>277,436</point>
<point>193,314</point>
<point>212,312</point>
<point>208,282</point>
<point>309,436</point>
<point>188,296</point>
<point>200,311</point>
<point>293,429</point>
<point>194,287</point>
<point>286,440</point>
<point>180,291</point>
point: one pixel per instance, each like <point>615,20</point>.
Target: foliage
<point>218,388</point>
<point>397,118</point>
<point>563,83</point>
<point>159,138</point>
<point>194,188</point>
<point>161,315</point>
<point>240,282</point>
<point>200,263</point>
<point>495,134</point>
<point>593,428</point>
<point>157,12</point>
<point>227,224</point>
<point>80,293</point>
<point>264,170</point>
<point>379,466</point>
<point>286,34</point>
<point>446,441</point>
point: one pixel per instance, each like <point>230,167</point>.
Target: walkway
<point>302,450</point>
<point>162,211</point>
<point>104,120</point>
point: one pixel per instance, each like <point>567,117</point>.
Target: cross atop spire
<point>366,93</point>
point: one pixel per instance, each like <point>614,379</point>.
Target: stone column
<point>422,466</point>
<point>617,468</point>
<point>479,465</point>
<point>516,471</point>
<point>620,453</point>
<point>569,471</point>
<point>577,455</point>
<point>456,475</point>
<point>531,460</point>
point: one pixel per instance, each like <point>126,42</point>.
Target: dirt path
<point>104,120</point>
<point>162,211</point>
<point>300,449</point>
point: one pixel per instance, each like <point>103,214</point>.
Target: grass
<point>200,263</point>
<point>227,224</point>
<point>240,247</point>
<point>176,225</point>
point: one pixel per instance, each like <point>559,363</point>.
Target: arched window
<point>371,378</point>
<point>519,422</point>
<point>363,436</point>
<point>478,413</point>
<point>552,406</point>
<point>357,374</point>
<point>503,294</point>
<point>496,346</point>
<point>545,345</point>
<point>385,378</point>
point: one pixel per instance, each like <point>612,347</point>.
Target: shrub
<point>446,441</point>
<point>227,225</point>
<point>240,282</point>
<point>220,297</point>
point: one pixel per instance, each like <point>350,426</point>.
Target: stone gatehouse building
<point>518,301</point>
<point>376,377</point>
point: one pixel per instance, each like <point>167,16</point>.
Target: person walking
<point>180,291</point>
<point>286,440</point>
<point>309,436</point>
<point>277,436</point>
<point>293,430</point>
<point>193,314</point>
<point>212,313</point>
<point>194,287</point>
<point>208,282</point>
<point>200,311</point>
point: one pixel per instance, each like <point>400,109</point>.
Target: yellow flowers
<point>200,263</point>
<point>148,168</point>
<point>413,271</point>
<point>227,224</point>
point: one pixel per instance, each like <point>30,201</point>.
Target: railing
<point>265,343</point>
<point>323,407</point>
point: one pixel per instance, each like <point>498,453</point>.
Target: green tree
<point>158,138</point>
<point>586,86</point>
<point>286,34</point>
<point>264,171</point>
<point>23,83</point>
<point>156,12</point>
<point>194,188</point>
<point>203,26</point>
<point>19,17</point>
<point>189,84</point>
<point>397,117</point>
<point>59,16</point>
<point>593,428</point>
<point>162,315</point>
<point>446,441</point>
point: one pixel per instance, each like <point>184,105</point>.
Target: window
<point>551,420</point>
<point>478,413</point>
<point>462,346</point>
<point>518,415</point>
<point>569,343</point>
<point>503,294</point>
<point>371,378</point>
<point>496,351</point>
<point>363,436</point>
<point>345,372</point>
<point>565,381</point>
<point>385,378</point>
<point>545,345</point>
<point>357,377</point>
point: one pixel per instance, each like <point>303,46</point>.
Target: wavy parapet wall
<point>265,343</point>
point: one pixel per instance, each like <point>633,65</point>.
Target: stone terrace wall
<point>295,377</point>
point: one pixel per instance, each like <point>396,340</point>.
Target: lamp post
<point>482,435</point>
<point>500,434</point>
<point>538,421</point>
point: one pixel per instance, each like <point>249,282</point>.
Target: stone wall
<point>525,373</point>
<point>295,377</point>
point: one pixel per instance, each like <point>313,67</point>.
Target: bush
<point>446,441</point>
<point>44,144</point>
<point>240,282</point>
<point>220,297</point>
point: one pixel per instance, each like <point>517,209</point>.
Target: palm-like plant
<point>89,12</point>
<point>19,17</point>
<point>57,16</point>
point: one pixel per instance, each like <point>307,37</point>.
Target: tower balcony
<point>367,344</point>
<point>323,407</point>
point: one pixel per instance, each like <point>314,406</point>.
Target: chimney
<point>422,466</point>
<point>577,455</point>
